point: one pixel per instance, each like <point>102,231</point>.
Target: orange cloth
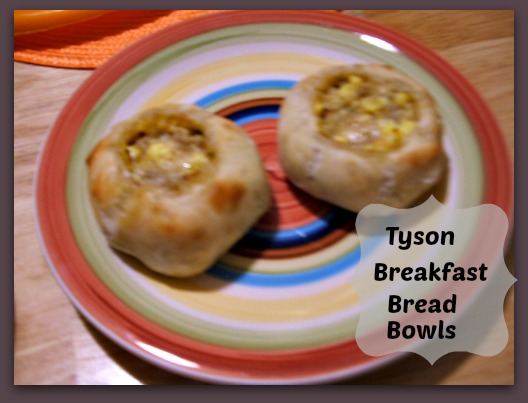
<point>88,44</point>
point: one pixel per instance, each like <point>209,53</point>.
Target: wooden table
<point>55,345</point>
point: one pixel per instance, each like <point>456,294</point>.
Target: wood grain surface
<point>55,345</point>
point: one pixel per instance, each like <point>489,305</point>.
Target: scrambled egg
<point>357,111</point>
<point>165,153</point>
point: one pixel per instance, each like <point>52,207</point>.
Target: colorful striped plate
<point>278,308</point>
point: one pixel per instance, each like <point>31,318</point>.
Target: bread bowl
<point>176,186</point>
<point>359,134</point>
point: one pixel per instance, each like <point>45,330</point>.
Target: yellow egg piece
<point>355,79</point>
<point>402,98</point>
<point>347,91</point>
<point>407,126</point>
<point>157,151</point>
<point>374,105</point>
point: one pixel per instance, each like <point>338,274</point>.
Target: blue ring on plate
<point>227,92</point>
<point>258,239</point>
<point>254,114</point>
<point>337,266</point>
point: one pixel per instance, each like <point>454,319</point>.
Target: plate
<point>279,307</point>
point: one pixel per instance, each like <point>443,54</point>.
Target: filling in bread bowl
<point>361,112</point>
<point>171,152</point>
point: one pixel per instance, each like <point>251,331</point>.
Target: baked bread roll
<point>176,187</point>
<point>354,135</point>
